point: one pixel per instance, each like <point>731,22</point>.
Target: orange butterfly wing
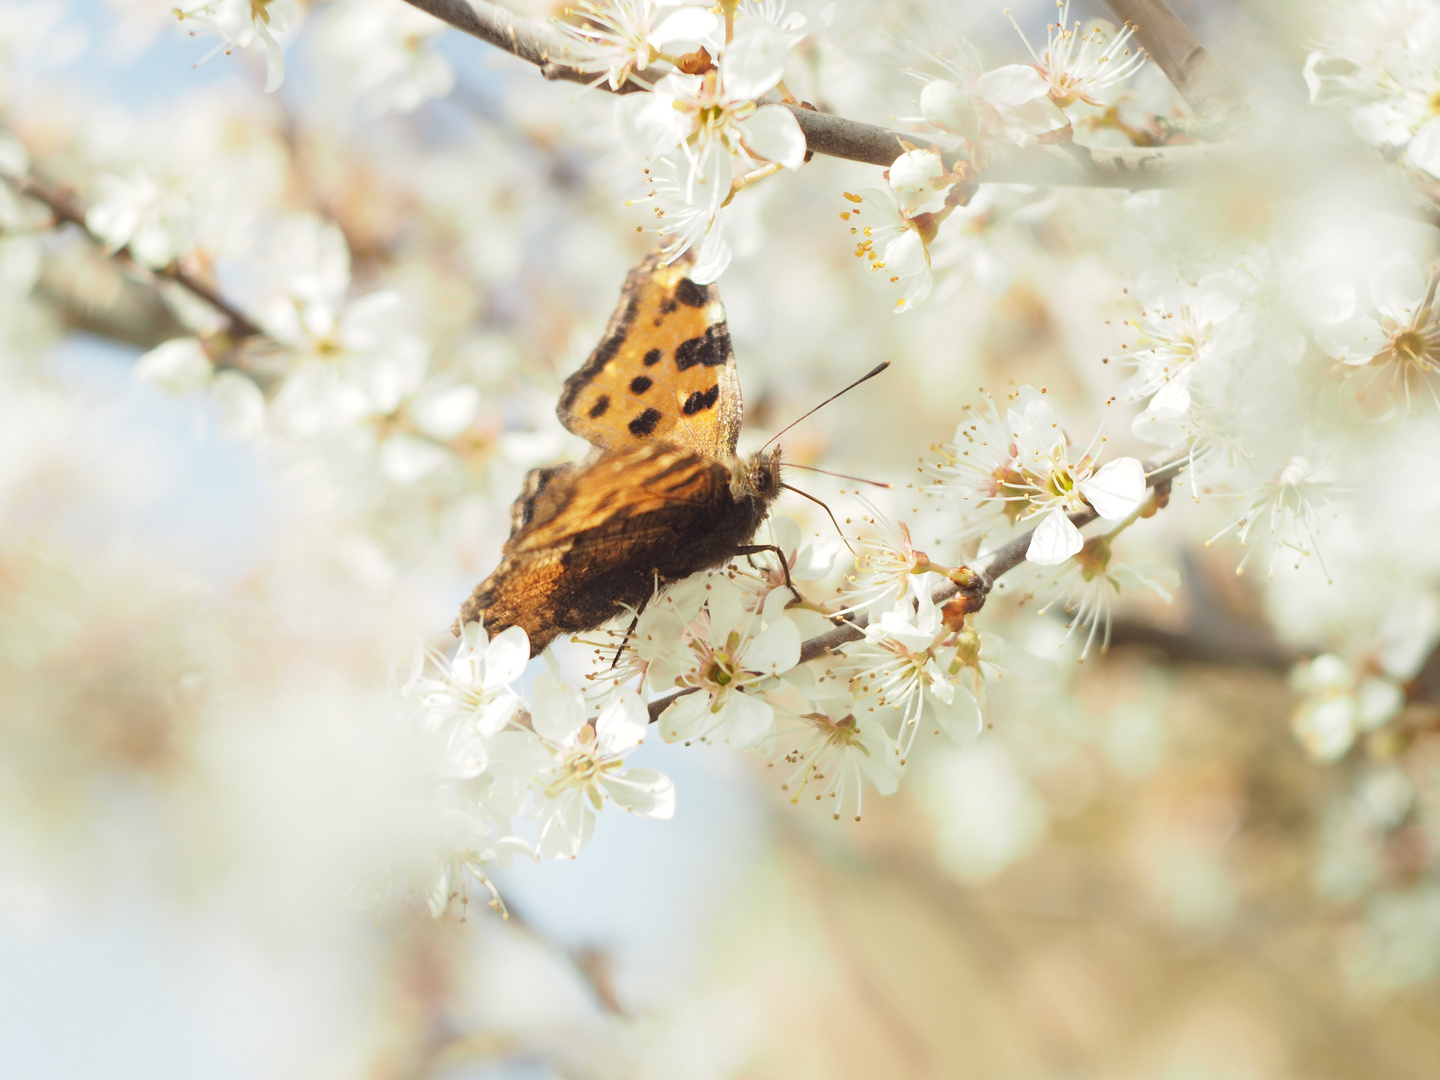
<point>572,559</point>
<point>663,373</point>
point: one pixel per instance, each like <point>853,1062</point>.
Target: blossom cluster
<point>387,341</point>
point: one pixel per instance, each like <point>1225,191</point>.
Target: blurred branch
<point>835,136</point>
<point>68,210</point>
<point>592,964</point>
<point>1211,91</point>
<point>95,295</point>
<point>1158,475</point>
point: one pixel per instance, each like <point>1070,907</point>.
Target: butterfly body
<point>665,496</point>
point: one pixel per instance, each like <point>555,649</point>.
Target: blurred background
<point>207,593</point>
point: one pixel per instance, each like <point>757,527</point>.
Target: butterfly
<point>662,497</point>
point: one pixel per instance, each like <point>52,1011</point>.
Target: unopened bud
<point>948,107</point>
<point>697,62</point>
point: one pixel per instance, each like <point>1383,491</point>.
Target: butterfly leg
<point>755,549</point>
<point>634,622</point>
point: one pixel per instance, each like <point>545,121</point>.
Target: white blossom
<point>587,764</point>
<point>618,39</point>
<point>242,23</point>
<point>728,658</point>
<point>835,757</point>
<point>1397,349</point>
<point>716,112</point>
<point>1086,588</point>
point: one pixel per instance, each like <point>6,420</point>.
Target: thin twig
<point>836,136</point>
<point>1211,91</point>
<point>68,210</point>
<point>1002,560</point>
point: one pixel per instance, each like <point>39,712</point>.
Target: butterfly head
<point>757,477</point>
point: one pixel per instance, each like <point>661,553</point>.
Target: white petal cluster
<point>243,23</point>
<point>1377,62</point>
<point>699,130</point>
<point>552,760</point>
<point>1020,468</point>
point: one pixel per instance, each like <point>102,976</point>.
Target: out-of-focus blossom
<point>1075,66</point>
<point>387,52</point>
<point>473,700</point>
<point>242,23</point>
<point>347,360</point>
<point>155,223</point>
<point>1397,349</point>
<point>1377,61</point>
<point>180,366</point>
<point>1290,506</point>
<point>1086,588</point>
<point>1338,703</point>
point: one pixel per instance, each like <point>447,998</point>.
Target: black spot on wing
<point>652,357</point>
<point>640,383</point>
<point>598,409</point>
<point>699,401</point>
<point>690,294</point>
<point>645,423</point>
<point>711,348</point>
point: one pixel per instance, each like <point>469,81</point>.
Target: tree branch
<point>68,210</point>
<point>1211,92</point>
<point>1158,474</point>
<point>835,136</point>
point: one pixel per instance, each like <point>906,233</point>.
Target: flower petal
<point>622,724</point>
<point>649,122</point>
<point>948,107</point>
<point>959,718</point>
<point>748,717</point>
<point>1116,489</point>
<point>774,134</point>
<point>684,718</point>
<point>642,791</point>
<point>1424,149</point>
<point>686,23</point>
<point>506,656</point>
<point>754,62</point>
<point>1013,84</point>
<point>775,650</point>
<point>1055,540</point>
<point>1397,286</point>
<point>557,710</point>
<point>1354,341</point>
<point>180,365</point>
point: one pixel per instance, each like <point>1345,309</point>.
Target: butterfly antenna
<point>806,495</point>
<point>842,476</point>
<point>868,375</point>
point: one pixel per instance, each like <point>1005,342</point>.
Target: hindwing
<point>588,534</point>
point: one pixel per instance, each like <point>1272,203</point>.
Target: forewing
<point>663,372</point>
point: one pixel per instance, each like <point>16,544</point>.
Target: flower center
<point>1410,346</point>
